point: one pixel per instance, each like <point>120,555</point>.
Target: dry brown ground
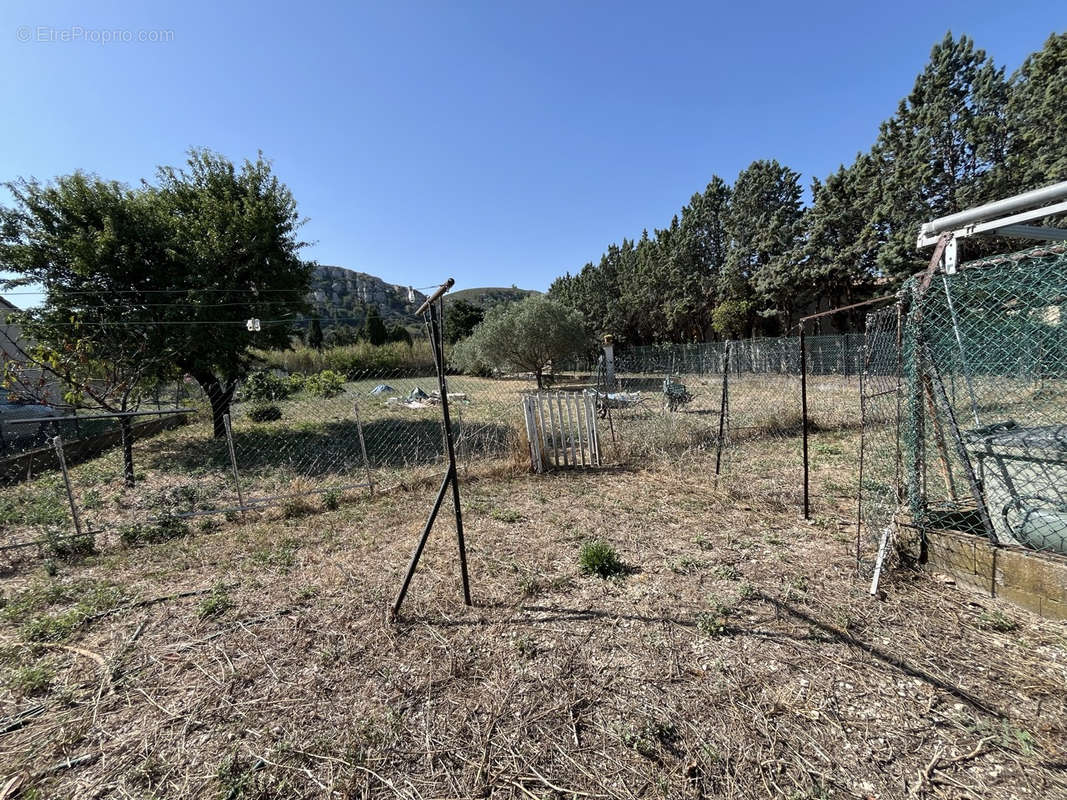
<point>737,657</point>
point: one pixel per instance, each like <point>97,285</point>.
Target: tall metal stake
<point>723,407</point>
<point>58,444</point>
<point>431,311</point>
<point>233,460</point>
<point>804,415</point>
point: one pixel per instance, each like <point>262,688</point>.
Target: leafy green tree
<point>1037,114</point>
<point>765,228</point>
<point>838,262</point>
<point>374,330</point>
<point>314,338</point>
<point>398,333</point>
<point>938,153</point>
<point>179,266</point>
<point>85,240</point>
<point>731,318</point>
<point>461,317</point>
<point>528,335</point>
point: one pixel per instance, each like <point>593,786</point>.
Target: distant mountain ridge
<point>340,296</point>
<point>489,296</point>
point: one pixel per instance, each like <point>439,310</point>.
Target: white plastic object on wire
<point>253,324</point>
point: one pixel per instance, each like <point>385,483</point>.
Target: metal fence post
<point>804,416</point>
<point>58,443</point>
<point>363,446</point>
<point>233,460</point>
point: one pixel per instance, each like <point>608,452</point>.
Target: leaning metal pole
<point>431,311</point>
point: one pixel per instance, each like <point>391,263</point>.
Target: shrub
<point>33,680</point>
<point>599,558</point>
<point>353,360</point>
<point>264,385</point>
<point>332,499</point>
<point>325,384</point>
<point>296,383</point>
<point>264,413</point>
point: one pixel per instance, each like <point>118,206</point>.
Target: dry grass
<point>736,656</point>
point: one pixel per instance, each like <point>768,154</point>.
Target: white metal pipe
<point>1046,194</point>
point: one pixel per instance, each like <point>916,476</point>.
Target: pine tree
<point>314,338</point>
<point>937,154</point>
<point>1037,112</point>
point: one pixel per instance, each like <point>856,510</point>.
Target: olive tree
<point>527,336</point>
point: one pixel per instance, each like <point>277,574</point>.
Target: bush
<point>296,383</point>
<point>326,384</point>
<point>264,385</point>
<point>468,360</point>
<point>353,361</point>
<point>599,558</point>
<point>264,413</point>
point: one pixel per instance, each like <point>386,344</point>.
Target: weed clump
<point>216,603</point>
<point>30,681</point>
<point>332,500</point>
<point>264,413</point>
<point>597,557</point>
<point>163,529</point>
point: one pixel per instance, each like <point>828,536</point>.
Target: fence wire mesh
<point>879,460</point>
<point>310,430</point>
<point>984,430</point>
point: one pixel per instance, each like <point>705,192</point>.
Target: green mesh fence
<point>982,445</point>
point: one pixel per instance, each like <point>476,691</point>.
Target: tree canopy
<point>158,280</point>
<point>527,336</point>
<point>750,258</point>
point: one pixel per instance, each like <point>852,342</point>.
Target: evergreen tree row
<point>750,258</point>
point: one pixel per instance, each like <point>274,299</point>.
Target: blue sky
<point>498,142</point>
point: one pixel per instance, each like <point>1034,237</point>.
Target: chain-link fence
<point>288,444</point>
<point>984,430</point>
<point>304,434</point>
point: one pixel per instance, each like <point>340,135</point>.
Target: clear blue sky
<point>497,142</point>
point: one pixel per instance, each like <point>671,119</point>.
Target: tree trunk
<point>126,426</point>
<point>540,382</point>
<point>219,396</point>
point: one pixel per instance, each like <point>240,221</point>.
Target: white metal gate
<point>562,429</point>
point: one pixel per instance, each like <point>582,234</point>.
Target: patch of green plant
<point>31,680</point>
<point>506,515</point>
<point>996,621</point>
<point>264,385</point>
<point>92,500</point>
<point>42,502</point>
<point>325,384</point>
<point>331,500</point>
<point>530,586</point>
<point>823,449</point>
<point>703,542</point>
<point>647,738</point>
<point>163,529</point>
<point>216,603</point>
<point>284,555</point>
<point>747,591</point>
<point>63,544</point>
<point>686,565</point>
<point>296,383</point>
<point>714,621</point>
<point>597,557</point>
<point>727,572</point>
<point>264,413</point>
<point>296,507</point>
